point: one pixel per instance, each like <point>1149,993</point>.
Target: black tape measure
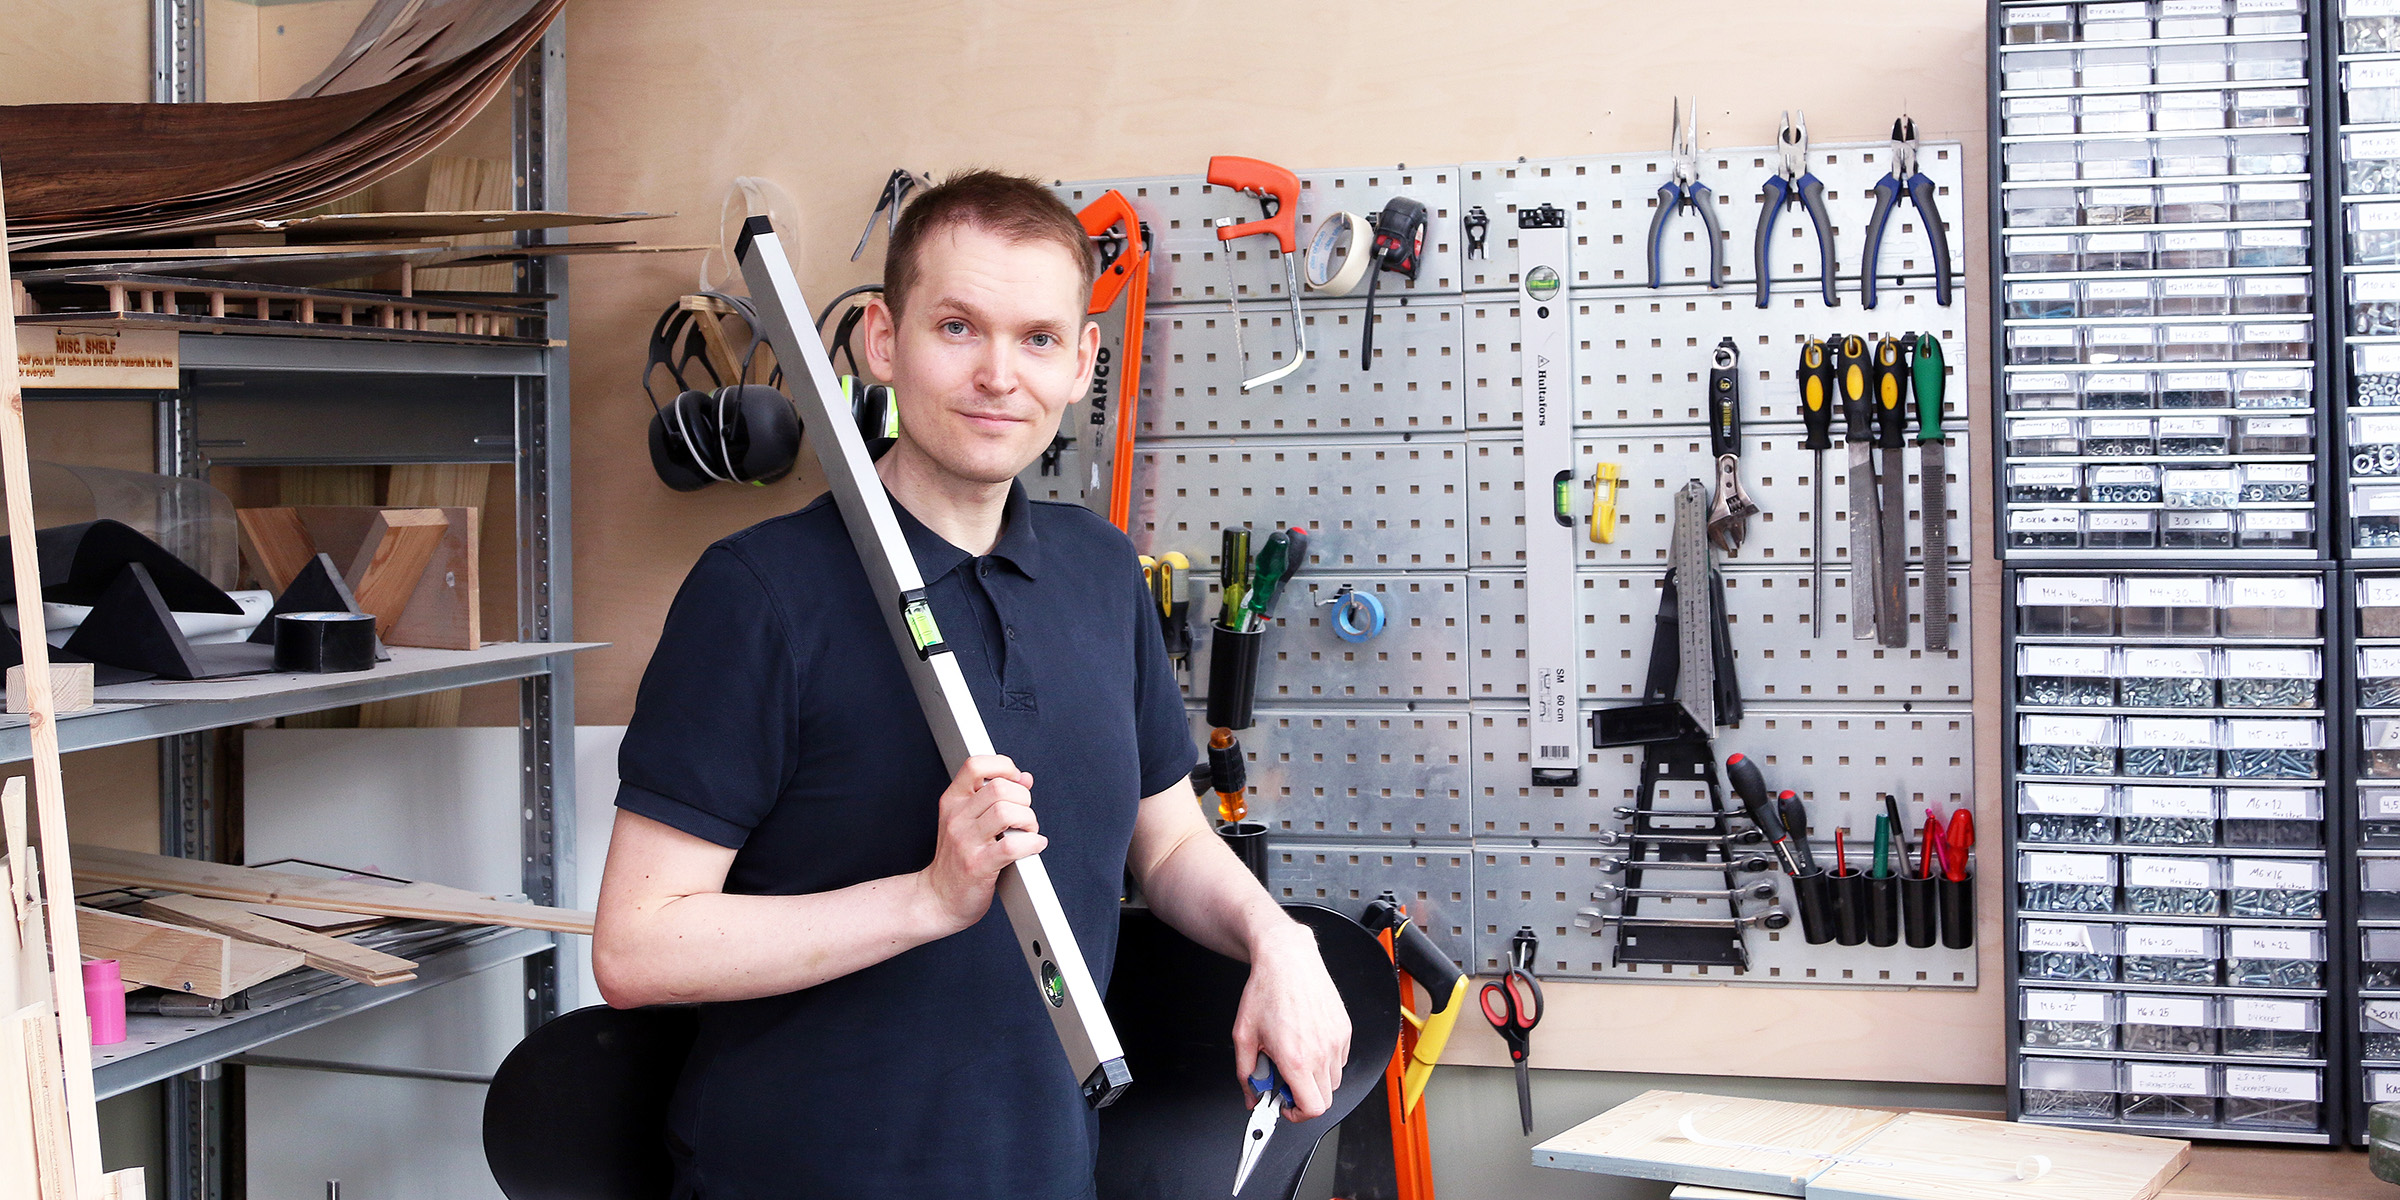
<point>1399,247</point>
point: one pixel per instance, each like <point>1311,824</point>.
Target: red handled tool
<point>1752,788</point>
<point>1278,194</point>
<point>1116,375</point>
<point>1513,1004</point>
<point>1961,839</point>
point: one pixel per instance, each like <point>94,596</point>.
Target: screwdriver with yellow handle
<point>1816,411</point>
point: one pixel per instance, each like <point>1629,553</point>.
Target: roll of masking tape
<point>1357,616</point>
<point>1324,278</point>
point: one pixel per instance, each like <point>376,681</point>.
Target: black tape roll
<point>1883,910</point>
<point>1233,675</point>
<point>1849,907</point>
<point>1958,911</point>
<point>1814,895</point>
<point>1919,906</point>
<point>322,643</point>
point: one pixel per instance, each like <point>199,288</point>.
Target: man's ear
<point>883,332</point>
<point>1087,355</point>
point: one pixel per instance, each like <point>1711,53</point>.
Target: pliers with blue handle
<point>1274,1095</point>
<point>1683,189</point>
<point>1903,178</point>
<point>1793,184</point>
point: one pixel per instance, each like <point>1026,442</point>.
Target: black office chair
<point>578,1110</point>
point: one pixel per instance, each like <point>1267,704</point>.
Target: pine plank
<point>221,881</point>
<point>331,924</point>
<point>279,544</point>
<point>346,959</point>
<point>17,1181</point>
<point>46,1094</point>
<point>1641,1138</point>
<point>391,560</point>
<point>180,959</point>
<point>1925,1156</point>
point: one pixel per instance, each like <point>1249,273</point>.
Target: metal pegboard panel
<point>1776,470</point>
<point>1542,887</point>
<point>1767,613</point>
<point>1352,774</point>
<point>1610,200</point>
<point>1839,760</point>
<point>1367,506</point>
<point>1436,882</point>
<point>1420,655</point>
<point>1188,265</point>
<point>1192,377</point>
<point>1642,358</point>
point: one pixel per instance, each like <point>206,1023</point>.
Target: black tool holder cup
<point>1883,910</point>
<point>1849,907</point>
<point>1248,840</point>
<point>1958,911</point>
<point>1233,675</point>
<point>1919,909</point>
<point>1814,896</point>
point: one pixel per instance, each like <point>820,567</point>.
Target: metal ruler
<point>1024,888</point>
<point>1695,633</point>
<point>1549,375</point>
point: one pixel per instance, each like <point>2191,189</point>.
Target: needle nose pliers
<point>1904,179</point>
<point>1793,184</point>
<point>1683,189</point>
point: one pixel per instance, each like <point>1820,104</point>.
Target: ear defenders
<point>736,432</point>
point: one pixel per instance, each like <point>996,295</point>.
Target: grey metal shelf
<point>134,712</point>
<point>157,1047</point>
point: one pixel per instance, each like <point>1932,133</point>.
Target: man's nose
<point>998,373</point>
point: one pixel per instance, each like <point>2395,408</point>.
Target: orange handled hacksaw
<point>1116,391</point>
<point>1278,194</point>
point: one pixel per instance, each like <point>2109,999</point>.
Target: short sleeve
<point>1161,727</point>
<point>711,744</point>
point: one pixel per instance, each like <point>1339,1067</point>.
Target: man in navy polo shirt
<point>787,848</point>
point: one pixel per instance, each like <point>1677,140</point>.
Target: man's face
<point>989,354</point>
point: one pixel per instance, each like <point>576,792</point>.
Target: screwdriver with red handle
<point>1752,788</point>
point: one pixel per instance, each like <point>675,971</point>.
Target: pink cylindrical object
<point>104,1001</point>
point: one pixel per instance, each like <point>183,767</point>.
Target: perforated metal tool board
<point>1401,763</point>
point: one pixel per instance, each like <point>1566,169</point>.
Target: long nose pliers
<point>1793,184</point>
<point>1904,179</point>
<point>1683,189</point>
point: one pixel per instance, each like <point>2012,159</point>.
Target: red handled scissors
<point>1513,1004</point>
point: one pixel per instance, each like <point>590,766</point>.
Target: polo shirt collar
<point>1018,545</point>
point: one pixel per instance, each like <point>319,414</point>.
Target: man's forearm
<point>714,946</point>
<point>1205,892</point>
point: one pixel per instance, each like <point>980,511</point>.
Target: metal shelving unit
<point>263,400</point>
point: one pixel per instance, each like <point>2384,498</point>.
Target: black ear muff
<point>875,412</point>
<point>758,433</point>
<point>677,434</point>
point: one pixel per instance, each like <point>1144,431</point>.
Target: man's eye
<point>1044,340</point>
<point>955,328</point>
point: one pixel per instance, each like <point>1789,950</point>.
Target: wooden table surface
<point>2235,1172</point>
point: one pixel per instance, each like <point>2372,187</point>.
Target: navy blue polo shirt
<point>775,718</point>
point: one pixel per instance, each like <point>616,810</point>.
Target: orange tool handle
<point>1113,211</point>
<point>1252,175</point>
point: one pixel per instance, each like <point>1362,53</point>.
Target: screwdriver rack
<point>1402,762</point>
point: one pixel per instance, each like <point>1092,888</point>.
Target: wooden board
<point>2240,1172</point>
<point>180,959</point>
<point>331,924</point>
<point>52,357</point>
<point>390,559</point>
<point>419,901</point>
<point>340,227</point>
<point>70,688</point>
<point>1922,1156</point>
<point>279,545</point>
<point>346,959</point>
<point>445,611</point>
<point>1641,1139</point>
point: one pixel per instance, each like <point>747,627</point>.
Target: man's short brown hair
<point>1012,207</point>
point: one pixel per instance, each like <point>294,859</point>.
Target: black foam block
<point>130,626</point>
<point>81,562</point>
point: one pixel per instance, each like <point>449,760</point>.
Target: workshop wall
<point>665,109</point>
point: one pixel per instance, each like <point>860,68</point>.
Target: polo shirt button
<point>983,570</point>
<point>1012,632</point>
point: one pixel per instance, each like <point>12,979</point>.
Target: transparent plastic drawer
<point>2194,249</point>
<point>2255,17</point>
<point>2039,208</point>
<point>2195,389</point>
<point>2055,882</point>
<point>2075,1089</point>
<point>2045,529</point>
<point>2379,677</point>
<point>2375,515</point>
<point>2067,1020</point>
<point>2193,156</point>
<point>2116,298</point>
<point>2117,251</point>
<point>2068,951</point>
<point>2195,203</point>
<point>2168,606</point>
<point>2199,487</point>
<point>2371,161</point>
<point>2129,530</point>
<point>2175,955</point>
<point>2113,113</point>
<point>2034,161</point>
<point>2281,201</point>
<point>2269,107</point>
<point>2374,231</point>
<point>2375,444</point>
<point>2271,1027</point>
<point>2270,248</point>
<point>2185,112</point>
<point>2131,158</point>
<point>2114,21</point>
<point>2271,1098</point>
<point>2276,483</point>
<point>2271,678</point>
<point>2152,815</point>
<point>2032,115</point>
<point>2271,294</point>
<point>2271,606</point>
<point>2266,61</point>
<point>2280,818</point>
<point>2291,529</point>
<point>2270,154</point>
<point>2291,889</point>
<point>2042,253</point>
<point>2370,96</point>
<point>2370,28</point>
<point>2196,343</point>
<point>2206,63</point>
<point>2030,392</point>
<point>2200,437</point>
<point>2031,483</point>
<point>2168,748</point>
<point>2051,745</point>
<point>2037,69</point>
<point>2375,375</point>
<point>2120,344</point>
<point>2067,605</point>
<point>2042,346</point>
<point>2119,437</point>
<point>2191,529</point>
<point>2066,814</point>
<point>2113,66</point>
<point>2122,483</point>
<point>2280,389</point>
<point>2375,304</point>
<point>2167,1093</point>
<point>2194,297</point>
<point>2041,300</point>
<point>2021,26</point>
<point>2379,895</point>
<point>2273,748</point>
<point>2193,18</point>
<point>2117,391</point>
<point>2276,341</point>
<point>2169,1025</point>
<point>2119,205</point>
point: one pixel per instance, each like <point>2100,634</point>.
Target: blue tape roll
<point>1346,613</point>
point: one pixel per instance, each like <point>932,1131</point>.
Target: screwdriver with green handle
<point>1280,559</point>
<point>1930,376</point>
